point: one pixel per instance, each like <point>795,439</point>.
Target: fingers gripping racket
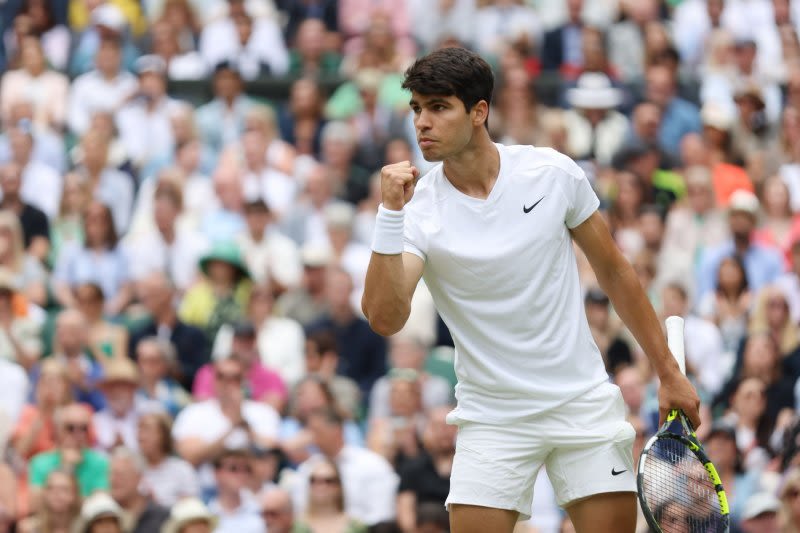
<point>679,489</point>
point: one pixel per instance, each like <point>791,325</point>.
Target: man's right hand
<point>397,184</point>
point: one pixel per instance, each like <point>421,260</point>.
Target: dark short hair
<point>227,453</point>
<point>452,72</point>
<point>324,340</point>
<point>329,415</point>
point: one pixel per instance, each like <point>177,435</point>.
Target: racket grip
<point>675,340</point>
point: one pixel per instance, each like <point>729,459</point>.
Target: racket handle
<point>675,340</point>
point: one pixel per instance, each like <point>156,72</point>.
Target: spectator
<point>301,121</point>
<point>168,478</point>
<point>679,117</point>
<point>116,424</point>
<point>19,328</point>
<point>221,296</point>
<point>221,121</point>
<point>237,508</point>
<point>426,478</point>
<point>229,420</point>
<point>46,89</point>
<point>262,383</point>
<point>67,226</point>
<point>100,260</point>
<point>35,430</point>
<point>306,304</point>
<point>260,180</point>
<point>107,341</point>
<point>106,88</point>
<point>505,23</point>
<point>596,130</point>
<point>306,223</point>
<point>363,356</point>
<point>72,452</point>
<point>33,221</point>
<point>760,513</point>
<point>48,24</point>
<point>762,264</point>
<point>778,226</point>
<point>627,37</point>
<point>126,471</point>
<point>309,56</point>
<point>144,122</point>
<point>157,361</point>
<point>606,332</point>
<point>190,516</point>
<point>100,514</point>
<point>157,294</point>
<point>169,247</point>
<point>104,182</point>
<point>265,464</point>
<point>59,507</point>
<point>729,306</point>
<point>561,48</point>
<point>322,359</point>
<point>311,394</point>
<point>35,175</point>
<point>722,450</point>
<point>71,337</point>
<point>350,181</point>
<point>368,481</point>
<point>278,513</point>
<point>271,256</point>
<point>409,353</point>
<point>771,315</point>
<point>326,501</point>
<point>48,145</point>
<point>166,43</point>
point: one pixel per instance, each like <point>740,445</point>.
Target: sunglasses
<point>318,480</point>
<point>235,468</point>
<point>75,428</point>
<point>234,378</point>
<point>791,494</point>
<point>271,513</point>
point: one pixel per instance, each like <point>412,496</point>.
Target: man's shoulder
<point>522,158</point>
<point>366,460</point>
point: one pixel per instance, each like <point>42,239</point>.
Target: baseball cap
<point>722,428</point>
<point>744,201</point>
<point>244,329</point>
<point>760,503</point>
<point>150,63</point>
<point>595,295</point>
<point>109,16</point>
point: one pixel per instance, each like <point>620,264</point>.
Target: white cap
<point>716,116</point>
<point>745,201</point>
<point>760,503</point>
<point>96,506</point>
<point>594,91</point>
<point>110,16</point>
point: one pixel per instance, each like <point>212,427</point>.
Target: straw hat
<point>120,370</point>
<point>98,505</point>
<point>187,511</point>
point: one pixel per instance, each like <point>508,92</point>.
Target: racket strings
<point>678,490</point>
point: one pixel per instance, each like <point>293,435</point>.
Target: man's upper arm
<point>594,238</point>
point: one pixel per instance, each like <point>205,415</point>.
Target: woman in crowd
<point>779,227</point>
<point>100,259</point>
<point>106,339</point>
<point>157,366</point>
<point>168,478</point>
<point>325,513</point>
<point>728,307</point>
<point>59,508</point>
<point>67,227</point>
<point>771,315</point>
<point>29,276</point>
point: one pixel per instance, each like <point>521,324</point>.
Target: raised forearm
<point>386,302</point>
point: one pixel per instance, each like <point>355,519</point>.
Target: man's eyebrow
<point>430,102</point>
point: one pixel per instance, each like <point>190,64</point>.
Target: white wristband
<point>388,236</point>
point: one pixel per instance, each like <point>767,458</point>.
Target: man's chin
<point>432,156</point>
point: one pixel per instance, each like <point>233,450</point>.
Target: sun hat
<point>187,511</point>
<point>120,370</point>
<point>226,252</point>
<point>594,91</point>
<point>96,506</point>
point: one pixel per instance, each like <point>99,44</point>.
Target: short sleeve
<point>581,198</point>
<point>414,240</point>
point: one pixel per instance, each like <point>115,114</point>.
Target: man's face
<point>741,224</point>
<point>10,179</point>
<point>660,87</point>
<point>227,84</point>
<point>73,430</point>
<point>276,512</point>
<point>124,480</point>
<point>71,335</point>
<point>232,473</point>
<point>119,396</point>
<point>443,126</point>
<point>228,376</point>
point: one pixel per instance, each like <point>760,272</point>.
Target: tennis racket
<point>678,487</point>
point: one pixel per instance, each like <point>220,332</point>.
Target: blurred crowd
<point>182,347</point>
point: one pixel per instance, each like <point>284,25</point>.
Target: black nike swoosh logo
<point>527,210</point>
<point>615,473</point>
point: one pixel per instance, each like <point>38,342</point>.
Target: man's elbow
<point>384,326</point>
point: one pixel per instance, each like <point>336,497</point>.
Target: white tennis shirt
<point>503,275</point>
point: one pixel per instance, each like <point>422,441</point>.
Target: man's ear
<point>480,113</point>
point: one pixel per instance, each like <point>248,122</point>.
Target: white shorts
<point>585,445</point>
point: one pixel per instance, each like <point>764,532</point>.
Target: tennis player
<point>491,231</point>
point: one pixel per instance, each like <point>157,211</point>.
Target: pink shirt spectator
<point>263,384</point>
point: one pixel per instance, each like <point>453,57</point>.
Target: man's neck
<point>12,203</point>
<point>229,500</point>
<point>167,318</point>
<point>108,76</point>
<point>136,506</point>
<point>168,234</point>
<point>474,171</point>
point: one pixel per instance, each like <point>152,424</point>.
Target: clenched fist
<point>397,184</point>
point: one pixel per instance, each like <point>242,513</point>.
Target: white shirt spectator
<point>115,189</point>
<point>276,256</point>
<point>746,19</point>
<point>37,178</point>
<point>436,391</point>
<point>91,93</point>
<point>500,25</point>
<point>789,285</point>
<point>147,134</point>
<point>245,519</point>
<point>151,253</point>
<point>281,345</point>
<point>170,481</point>
<point>108,428</point>
<point>276,188</point>
<point>15,386</point>
<point>188,66</point>
<point>48,148</point>
<point>432,22</point>
<point>369,482</point>
<point>705,351</point>
<point>219,42</point>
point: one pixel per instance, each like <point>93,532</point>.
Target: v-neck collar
<point>497,188</point>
